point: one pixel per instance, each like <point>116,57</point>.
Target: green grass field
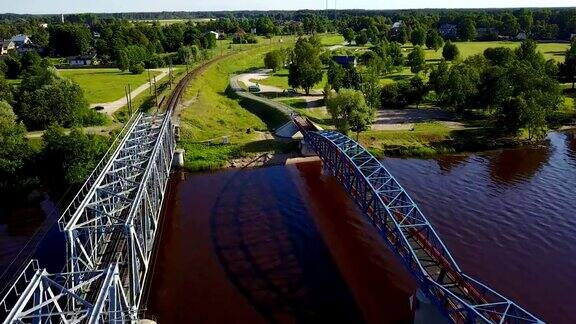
<point>105,85</point>
<point>550,50</point>
<point>280,80</point>
<point>214,114</point>
<point>332,39</point>
<point>423,140</point>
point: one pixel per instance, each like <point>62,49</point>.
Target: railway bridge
<point>111,225</point>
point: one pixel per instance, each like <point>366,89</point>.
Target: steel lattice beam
<point>110,228</point>
<point>40,297</point>
<point>410,235</point>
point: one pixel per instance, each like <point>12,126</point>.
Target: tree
<point>417,91</point>
<point>349,35</point>
<point>5,91</point>
<point>568,68</point>
<point>371,88</point>
<point>434,40</point>
<point>528,52</point>
<point>208,41</point>
<point>15,151</point>
<point>467,30</point>
<point>349,111</point>
<point>70,157</point>
<point>306,68</point>
<point>526,20</point>
<point>275,60</point>
<point>417,59</point>
<point>49,99</point>
<point>362,38</point>
<point>336,75</point>
<point>418,36</point>
<point>70,39</point>
<point>450,51</point>
<point>510,25</point>
<point>132,58</point>
<point>394,51</point>
<point>499,55</point>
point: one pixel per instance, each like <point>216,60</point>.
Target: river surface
<point>285,244</point>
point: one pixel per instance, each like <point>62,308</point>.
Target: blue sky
<point>73,6</point>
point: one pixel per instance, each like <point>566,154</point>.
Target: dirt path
<point>98,130</point>
<point>111,107</point>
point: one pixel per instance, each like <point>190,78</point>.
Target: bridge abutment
<point>425,312</point>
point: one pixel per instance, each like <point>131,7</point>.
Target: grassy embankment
<point>213,113</point>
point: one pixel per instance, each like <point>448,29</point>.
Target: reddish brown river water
<point>285,244</point>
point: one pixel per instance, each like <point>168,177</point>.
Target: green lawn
<point>550,50</point>
<point>332,39</point>
<point>424,139</point>
<point>105,85</point>
<point>280,80</point>
<point>214,114</point>
<point>318,115</point>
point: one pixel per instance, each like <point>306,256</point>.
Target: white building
<point>82,60</point>
<point>216,34</point>
<point>6,45</point>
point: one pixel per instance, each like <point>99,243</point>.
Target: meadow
<point>105,85</point>
<point>213,113</point>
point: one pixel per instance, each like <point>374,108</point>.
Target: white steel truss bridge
<point>110,227</point>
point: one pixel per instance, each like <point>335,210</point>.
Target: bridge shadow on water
<point>270,248</point>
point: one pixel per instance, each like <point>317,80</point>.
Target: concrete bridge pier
<point>425,312</point>
<point>306,149</point>
<point>178,160</point>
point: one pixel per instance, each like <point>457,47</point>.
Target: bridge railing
<point>93,177</point>
<point>409,234</point>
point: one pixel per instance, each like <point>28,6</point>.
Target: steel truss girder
<point>40,297</point>
<point>410,235</point>
<point>117,220</point>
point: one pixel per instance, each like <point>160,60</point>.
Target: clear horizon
<point>114,6</point>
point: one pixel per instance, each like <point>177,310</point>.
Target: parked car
<point>98,108</point>
<point>290,92</point>
<point>254,88</point>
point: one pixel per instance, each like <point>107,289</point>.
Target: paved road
<point>111,107</point>
<point>235,86</point>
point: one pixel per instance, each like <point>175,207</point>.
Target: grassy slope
<point>213,114</point>
<point>105,85</point>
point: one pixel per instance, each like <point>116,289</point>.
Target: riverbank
<point>216,126</point>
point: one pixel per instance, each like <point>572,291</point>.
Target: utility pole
<point>149,82</point>
<point>155,92</point>
<point>130,99</point>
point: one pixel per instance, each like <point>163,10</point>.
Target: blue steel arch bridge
<point>111,224</point>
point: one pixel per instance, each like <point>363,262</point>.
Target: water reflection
<point>518,165</point>
<point>270,248</point>
<point>449,162</point>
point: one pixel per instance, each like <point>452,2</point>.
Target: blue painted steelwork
<point>410,235</point>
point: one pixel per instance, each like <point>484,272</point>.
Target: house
<point>29,47</point>
<point>96,34</point>
<point>521,36</point>
<point>345,60</point>
<point>396,28</point>
<point>44,25</point>
<point>489,33</point>
<point>253,31</point>
<point>20,40</point>
<point>448,31</point>
<point>216,34</point>
<point>7,45</point>
<point>573,38</point>
<point>82,60</point>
